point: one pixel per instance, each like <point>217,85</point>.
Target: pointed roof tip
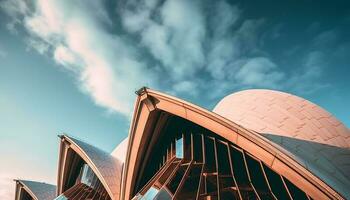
<point>63,135</point>
<point>141,91</point>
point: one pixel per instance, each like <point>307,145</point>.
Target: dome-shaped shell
<point>279,113</point>
<point>120,151</point>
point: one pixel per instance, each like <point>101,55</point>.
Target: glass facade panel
<point>175,181</point>
<point>241,175</point>
<point>210,160</point>
<point>187,146</point>
<point>295,192</point>
<point>61,197</point>
<point>163,195</point>
<point>276,184</point>
<point>167,173</point>
<point>179,148</point>
<point>150,194</point>
<point>258,179</point>
<point>197,148</point>
<point>190,187</point>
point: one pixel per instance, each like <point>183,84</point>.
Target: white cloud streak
<point>176,45</point>
<point>261,72</point>
<point>105,66</point>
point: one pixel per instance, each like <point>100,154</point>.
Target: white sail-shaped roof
<point>38,190</point>
<point>314,137</point>
<point>105,166</point>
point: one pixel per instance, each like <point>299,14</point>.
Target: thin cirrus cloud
<point>175,45</point>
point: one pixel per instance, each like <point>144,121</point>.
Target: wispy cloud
<point>179,46</point>
<point>260,71</point>
<point>173,32</point>
<point>105,65</point>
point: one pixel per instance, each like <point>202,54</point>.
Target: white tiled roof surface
<point>109,167</point>
<point>42,191</point>
<point>120,151</point>
<point>314,137</point>
<point>279,113</point>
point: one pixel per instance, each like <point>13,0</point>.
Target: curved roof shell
<point>120,151</point>
<point>37,190</point>
<point>149,106</point>
<point>315,138</point>
<point>107,168</point>
<point>279,113</point>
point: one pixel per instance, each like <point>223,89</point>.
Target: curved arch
<point>146,113</point>
<point>36,190</point>
<point>106,168</point>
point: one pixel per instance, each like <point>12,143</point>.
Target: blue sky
<point>73,66</point>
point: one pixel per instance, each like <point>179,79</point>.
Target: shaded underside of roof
<point>42,191</point>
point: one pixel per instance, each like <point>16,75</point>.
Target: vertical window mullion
<point>204,163</point>
<point>217,169</point>
<point>200,182</point>
<point>203,149</point>
<point>192,148</point>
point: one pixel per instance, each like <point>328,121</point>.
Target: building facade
<point>255,144</point>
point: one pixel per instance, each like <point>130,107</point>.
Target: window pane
<point>197,145</point>
<point>163,195</point>
<point>224,165</point>
<point>241,175</point>
<point>150,194</point>
<point>190,187</point>
<point>210,163</point>
<point>211,183</point>
<point>167,173</point>
<point>276,184</point>
<point>177,177</point>
<point>295,191</point>
<point>61,197</point>
<point>258,179</point>
<point>187,144</point>
<point>179,148</point>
